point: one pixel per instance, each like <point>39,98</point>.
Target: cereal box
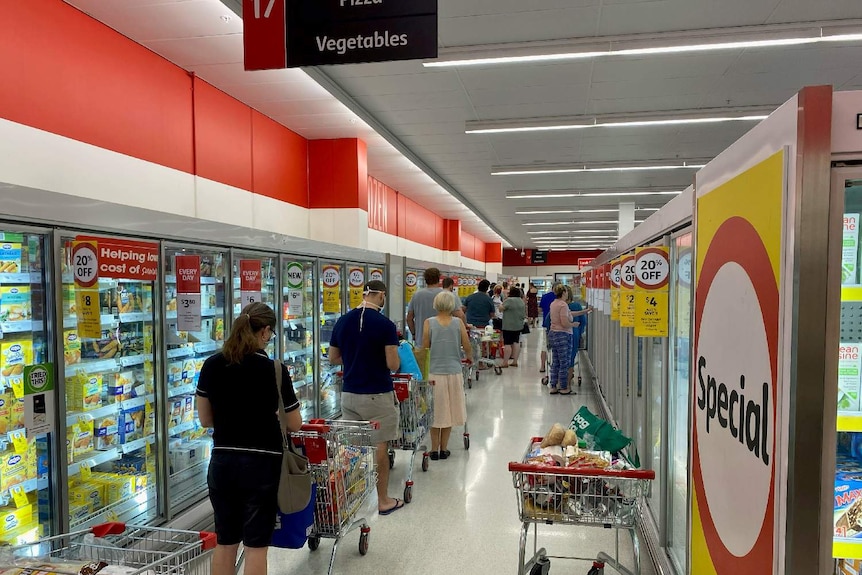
<point>71,347</point>
<point>15,303</point>
<point>10,258</point>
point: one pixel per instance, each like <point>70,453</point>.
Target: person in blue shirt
<point>366,342</point>
<point>577,332</point>
<point>478,306</point>
<point>545,306</point>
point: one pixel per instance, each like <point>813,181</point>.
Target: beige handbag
<point>294,486</point>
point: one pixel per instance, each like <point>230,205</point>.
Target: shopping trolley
<point>341,460</point>
<point>136,549</point>
<point>589,497</point>
<point>467,367</point>
<point>416,406</point>
<point>490,354</point>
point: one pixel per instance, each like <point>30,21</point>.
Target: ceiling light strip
<point>533,171</point>
<point>596,193</point>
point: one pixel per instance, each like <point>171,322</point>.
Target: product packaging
<point>849,376</point>
<point>10,258</point>
<point>15,303</point>
<point>850,251</point>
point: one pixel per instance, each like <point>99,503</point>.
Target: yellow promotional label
<point>19,441</point>
<point>615,304</point>
<point>86,471</point>
<point>89,313</point>
<point>331,300</point>
<point>651,314</point>
<point>627,307</point>
<point>652,272</point>
<point>19,496</point>
<point>355,297</point>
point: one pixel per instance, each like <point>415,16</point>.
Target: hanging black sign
<point>325,32</point>
<point>539,257</point>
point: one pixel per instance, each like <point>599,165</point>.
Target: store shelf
<point>104,411</point>
<point>126,510</point>
<point>135,317</point>
<point>298,352</point>
<point>18,326</point>
<point>847,548</point>
<point>297,320</point>
<point>850,421</point>
<point>206,280</point>
<point>181,428</point>
<point>107,320</point>
<point>183,390</point>
<point>35,278</point>
<point>207,346</point>
<point>95,458</point>
<point>137,401</point>
<point>180,352</point>
<point>91,367</point>
<point>133,360</point>
<point>137,444</point>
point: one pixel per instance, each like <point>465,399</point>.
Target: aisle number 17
<point>266,13</point>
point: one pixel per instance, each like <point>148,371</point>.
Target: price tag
<point>89,313</point>
<point>189,312</point>
<point>19,496</point>
<point>111,516</point>
<point>86,471</point>
<point>18,388</point>
<point>249,297</point>
<point>294,302</point>
<point>19,441</point>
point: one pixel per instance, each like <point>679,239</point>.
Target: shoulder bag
<point>294,486</point>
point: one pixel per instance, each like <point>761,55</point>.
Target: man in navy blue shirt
<point>478,307</point>
<point>545,304</point>
<point>366,342</point>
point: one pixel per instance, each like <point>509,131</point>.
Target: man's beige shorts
<point>379,407</point>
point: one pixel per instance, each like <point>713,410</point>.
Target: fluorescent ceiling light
<point>567,238</point>
<point>541,232</point>
<point>585,194</point>
<point>576,222</point>
<point>687,42</point>
<point>584,123</point>
<point>620,167</point>
<point>587,211</point>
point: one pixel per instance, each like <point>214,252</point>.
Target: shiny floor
<point>463,516</point>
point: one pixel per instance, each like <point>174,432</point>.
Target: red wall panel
<point>555,258</point>
<point>222,137</point>
<point>69,74</point>
<point>452,235</point>
<point>472,247</point>
<point>338,174</point>
<point>493,253</point>
<point>280,160</point>
<point>382,207</point>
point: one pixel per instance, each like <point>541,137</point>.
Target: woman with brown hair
<point>237,396</point>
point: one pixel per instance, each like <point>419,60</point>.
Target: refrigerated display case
<point>254,279</point>
<point>189,340</point>
<point>332,306</point>
<point>110,383</point>
<point>26,501</point>
<point>298,329</point>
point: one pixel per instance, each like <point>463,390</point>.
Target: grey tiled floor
<point>463,517</point>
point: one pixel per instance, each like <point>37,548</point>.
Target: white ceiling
<point>426,108</point>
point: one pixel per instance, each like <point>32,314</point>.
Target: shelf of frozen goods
<point>133,360</point>
<point>135,317</point>
<point>180,352</point>
<point>91,367</point>
<point>104,411</point>
<point>298,320</point>
<point>19,279</point>
<point>206,346</point>
<point>95,458</point>
<point>205,280</point>
<point>107,319</point>
<point>293,354</point>
<point>182,390</point>
<point>181,428</point>
<point>126,510</point>
<point>137,444</point>
<point>137,401</point>
<point>29,486</point>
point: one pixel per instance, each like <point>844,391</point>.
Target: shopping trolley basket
<point>416,406</point>
<point>467,367</point>
<point>490,346</point>
<point>588,497</point>
<point>341,460</point>
<point>131,549</point>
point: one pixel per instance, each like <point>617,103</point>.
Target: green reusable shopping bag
<point>605,436</point>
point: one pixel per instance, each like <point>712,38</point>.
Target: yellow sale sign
<point>627,291</point>
<point>652,272</point>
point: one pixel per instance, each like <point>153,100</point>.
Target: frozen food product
<point>71,347</point>
<point>10,258</point>
<point>106,430</point>
<point>850,250</point>
<point>849,376</point>
<point>14,356</point>
<point>83,437</point>
<point>15,303</point>
<point>120,388</point>
<point>131,426</point>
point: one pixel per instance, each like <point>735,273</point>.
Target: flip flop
<point>565,392</point>
<point>398,505</point>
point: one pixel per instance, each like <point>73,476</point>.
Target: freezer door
<point>332,296</point>
<point>297,334</point>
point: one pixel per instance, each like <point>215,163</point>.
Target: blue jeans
<point>560,343</point>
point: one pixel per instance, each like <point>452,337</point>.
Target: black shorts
<point>510,337</point>
<point>244,494</point>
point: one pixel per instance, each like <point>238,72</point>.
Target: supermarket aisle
<point>463,515</point>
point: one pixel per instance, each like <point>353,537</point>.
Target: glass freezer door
<point>25,456</point>
<point>195,319</point>
<point>298,329</point>
<point>254,279</point>
<point>332,301</point>
<point>110,381</point>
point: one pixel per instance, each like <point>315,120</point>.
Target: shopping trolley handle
<point>647,474</point>
<point>208,540</point>
<point>402,376</point>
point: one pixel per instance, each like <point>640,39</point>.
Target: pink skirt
<point>450,408</point>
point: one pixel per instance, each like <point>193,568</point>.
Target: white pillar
<point>627,218</point>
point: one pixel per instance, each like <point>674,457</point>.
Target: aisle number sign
<point>331,277</point>
<point>627,291</point>
<point>356,281</point>
<point>410,281</point>
<point>616,273</point>
<point>736,381</point>
<point>652,273</point>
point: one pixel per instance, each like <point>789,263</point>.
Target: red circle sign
<point>652,268</point>
<point>85,264</point>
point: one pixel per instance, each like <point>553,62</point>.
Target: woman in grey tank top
<point>445,336</point>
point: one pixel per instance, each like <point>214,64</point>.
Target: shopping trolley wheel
<point>408,494</point>
<point>363,544</point>
<point>391,458</point>
<point>425,459</point>
<point>579,381</point>
<point>477,375</point>
<point>498,370</point>
<point>545,380</point>
<point>313,543</point>
<point>598,569</point>
<point>466,442</point>
<point>469,383</point>
<point>542,566</point>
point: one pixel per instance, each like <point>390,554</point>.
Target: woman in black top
<point>237,397</point>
